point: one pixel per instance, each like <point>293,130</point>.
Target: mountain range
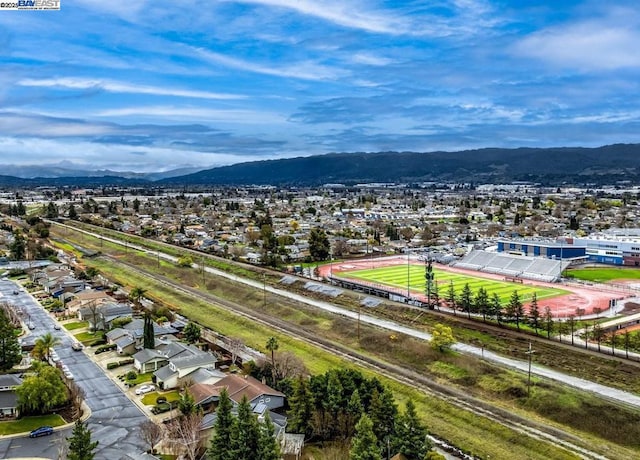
<point>551,166</point>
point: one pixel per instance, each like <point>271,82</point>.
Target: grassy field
<point>604,274</point>
<point>76,325</point>
<point>30,423</point>
<point>398,275</point>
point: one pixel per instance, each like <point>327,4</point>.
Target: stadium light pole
<point>529,353</point>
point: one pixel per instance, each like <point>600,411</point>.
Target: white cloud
<point>305,70</point>
<point>599,44</point>
<point>370,59</point>
<point>119,87</point>
<point>200,114</point>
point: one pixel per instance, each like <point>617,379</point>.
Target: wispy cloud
<point>120,87</point>
<point>196,113</point>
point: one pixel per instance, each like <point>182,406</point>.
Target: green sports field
<point>396,276</point>
<point>604,274</point>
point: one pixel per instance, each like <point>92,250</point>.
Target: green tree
<point>136,294</point>
<point>442,337</point>
<point>187,405</point>
<point>548,322</point>
<point>52,211</point>
<point>301,407</point>
<point>451,297</point>
<point>534,313</point>
<point>514,308</point>
<point>268,448</point>
<point>383,412</point>
<point>495,307</point>
<point>221,441</point>
<point>149,338</point>
<point>465,299</point>
<point>411,435</point>
<point>481,302</point>
<point>80,445</point>
<point>10,350</point>
<point>18,247</point>
<point>41,391</point>
<point>45,343</point>
<point>185,261</point>
<point>272,345</point>
<point>192,332</point>
<point>73,214</point>
<point>319,246</point>
<point>245,432</point>
<point>364,445</point>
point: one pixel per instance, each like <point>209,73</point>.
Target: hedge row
<point>115,364</point>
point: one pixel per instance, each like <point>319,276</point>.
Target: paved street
<point>114,419</point>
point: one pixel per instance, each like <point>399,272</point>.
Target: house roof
<point>125,341</point>
<point>200,359</point>
<point>147,354</point>
<point>164,373</point>
<point>207,375</point>
<point>10,380</point>
<point>238,386</point>
<point>202,392</point>
<point>116,334</point>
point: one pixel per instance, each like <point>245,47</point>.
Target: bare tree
<point>151,433</point>
<point>236,345</point>
<point>184,436</point>
<point>94,311</point>
<point>76,397</point>
<point>288,365</point>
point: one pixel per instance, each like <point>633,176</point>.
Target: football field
<point>403,277</point>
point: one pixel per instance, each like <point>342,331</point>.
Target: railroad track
<point>536,430</point>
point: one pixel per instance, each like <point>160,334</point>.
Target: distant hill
<point>68,169</point>
<point>551,166</point>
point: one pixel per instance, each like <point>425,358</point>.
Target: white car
<point>68,375</point>
<point>145,389</point>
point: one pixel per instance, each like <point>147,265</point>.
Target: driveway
<point>114,418</point>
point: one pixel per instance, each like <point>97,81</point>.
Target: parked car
<point>145,389</point>
<point>32,326</point>
<point>16,292</point>
<point>42,431</point>
<point>68,375</point>
<point>57,327</point>
<point>77,346</point>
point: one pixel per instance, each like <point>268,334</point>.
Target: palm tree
<point>272,345</point>
<point>45,343</point>
<point>137,293</point>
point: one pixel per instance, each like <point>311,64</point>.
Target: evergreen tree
<point>514,308</point>
<point>18,247</point>
<point>383,412</point>
<point>301,404</point>
<point>496,307</point>
<point>73,214</point>
<point>465,299</point>
<point>221,441</point>
<point>10,349</point>
<point>364,445</point>
<point>244,433</point>
<point>534,313</point>
<point>192,332</point>
<point>481,302</point>
<point>548,322</point>
<point>411,435</point>
<point>319,245</point>
<point>268,448</point>
<point>149,340</point>
<point>451,297</point>
<point>80,445</point>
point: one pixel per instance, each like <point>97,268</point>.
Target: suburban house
<point>176,363</point>
<point>87,297</point>
<point>101,316</point>
<point>130,337</point>
<point>8,397</point>
<point>237,387</point>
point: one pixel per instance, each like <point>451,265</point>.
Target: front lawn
<point>140,378</point>
<point>30,423</point>
<point>150,398</point>
<point>87,338</point>
<point>76,325</point>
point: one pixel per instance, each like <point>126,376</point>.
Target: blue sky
<point>155,85</point>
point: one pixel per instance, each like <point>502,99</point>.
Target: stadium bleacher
<point>513,266</point>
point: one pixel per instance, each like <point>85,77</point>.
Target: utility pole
<point>408,276</point>
<point>529,353</point>
<point>204,284</point>
<point>264,290</point>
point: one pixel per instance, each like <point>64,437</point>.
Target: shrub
<point>131,375</point>
<point>103,348</point>
<point>112,365</point>
<point>161,408</point>
<point>124,362</point>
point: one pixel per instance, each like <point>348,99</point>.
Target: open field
<point>604,274</point>
<point>399,276</point>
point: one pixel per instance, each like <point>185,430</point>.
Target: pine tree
<point>80,445</point>
<point>411,435</point>
<point>244,433</point>
<point>496,307</point>
<point>149,340</point>
<point>383,412</point>
<point>73,214</point>
<point>465,299</point>
<point>268,448</point>
<point>301,404</point>
<point>514,308</point>
<point>534,313</point>
<point>451,297</point>
<point>364,445</point>
<point>220,448</point>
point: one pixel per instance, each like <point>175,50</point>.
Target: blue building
<point>567,249</point>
